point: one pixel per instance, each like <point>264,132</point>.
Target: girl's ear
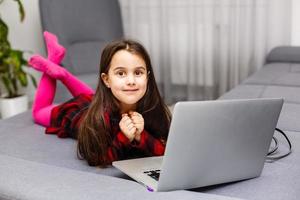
<point>104,78</point>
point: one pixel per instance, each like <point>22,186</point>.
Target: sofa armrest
<point>284,54</point>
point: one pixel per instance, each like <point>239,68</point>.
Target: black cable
<point>279,130</point>
<point>272,151</point>
<point>275,147</point>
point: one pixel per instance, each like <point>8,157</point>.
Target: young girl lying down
<point>126,116</point>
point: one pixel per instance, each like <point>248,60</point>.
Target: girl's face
<point>127,78</point>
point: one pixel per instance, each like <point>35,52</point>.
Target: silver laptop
<point>210,142</point>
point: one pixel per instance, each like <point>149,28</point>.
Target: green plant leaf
<point>4,44</point>
<point>14,82</point>
<point>21,10</point>
<point>18,59</point>
<point>12,61</point>
<point>33,80</point>
<point>7,84</point>
<point>22,78</point>
<point>3,30</point>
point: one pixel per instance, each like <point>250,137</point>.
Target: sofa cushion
<point>85,56</point>
<point>276,74</point>
<point>30,180</point>
<point>289,94</point>
<point>284,54</point>
<point>28,141</point>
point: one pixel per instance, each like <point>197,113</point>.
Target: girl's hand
<point>138,122</point>
<point>127,127</point>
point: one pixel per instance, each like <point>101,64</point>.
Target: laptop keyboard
<point>153,173</point>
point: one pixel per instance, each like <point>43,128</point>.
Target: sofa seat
<point>282,74</point>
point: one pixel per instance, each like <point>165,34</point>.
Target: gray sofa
<point>34,165</point>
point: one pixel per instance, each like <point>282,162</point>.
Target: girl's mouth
<point>131,90</point>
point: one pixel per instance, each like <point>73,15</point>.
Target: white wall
<point>28,35</point>
<point>295,22</point>
<point>25,36</point>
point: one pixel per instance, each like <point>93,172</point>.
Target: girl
<point>126,116</point>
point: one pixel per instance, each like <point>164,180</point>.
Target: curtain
<point>202,48</point>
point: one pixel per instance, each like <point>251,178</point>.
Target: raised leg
<point>43,102</point>
<point>45,93</point>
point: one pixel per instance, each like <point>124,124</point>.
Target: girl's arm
<point>150,145</point>
<point>115,151</point>
<point>143,140</point>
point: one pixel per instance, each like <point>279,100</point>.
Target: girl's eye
<point>139,73</point>
<point>121,73</point>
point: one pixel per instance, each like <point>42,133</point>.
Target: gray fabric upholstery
<point>282,74</point>
<point>29,142</point>
<point>284,54</point>
<point>83,28</point>
<point>85,57</point>
<point>22,179</point>
<point>39,166</point>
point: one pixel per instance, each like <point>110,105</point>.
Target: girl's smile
<point>131,91</point>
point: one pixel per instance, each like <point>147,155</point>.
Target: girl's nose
<point>130,79</point>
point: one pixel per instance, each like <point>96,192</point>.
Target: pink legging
<point>45,93</point>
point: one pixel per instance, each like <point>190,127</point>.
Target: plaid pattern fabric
<point>65,120</point>
<point>65,117</point>
<point>148,146</point>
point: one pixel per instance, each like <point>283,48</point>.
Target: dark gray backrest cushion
<point>284,54</point>
<point>85,56</point>
<point>83,27</point>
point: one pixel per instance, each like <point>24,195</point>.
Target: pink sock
<point>53,70</point>
<point>56,52</point>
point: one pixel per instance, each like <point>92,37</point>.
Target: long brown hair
<point>94,136</point>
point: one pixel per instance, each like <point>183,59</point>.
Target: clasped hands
<point>132,125</point>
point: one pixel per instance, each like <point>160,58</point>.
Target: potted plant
<point>12,74</point>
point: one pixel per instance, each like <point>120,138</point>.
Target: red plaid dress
<point>65,119</point>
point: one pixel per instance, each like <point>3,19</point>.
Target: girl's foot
<point>56,52</point>
<point>53,70</point>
